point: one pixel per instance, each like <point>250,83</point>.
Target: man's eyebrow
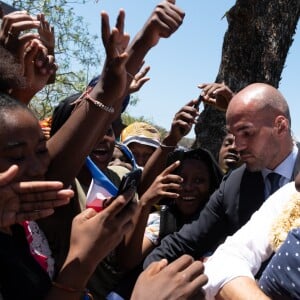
<point>243,126</point>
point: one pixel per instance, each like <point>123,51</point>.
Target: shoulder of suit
<point>235,173</point>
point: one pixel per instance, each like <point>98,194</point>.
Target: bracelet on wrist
<point>163,146</point>
<point>85,293</point>
<point>87,96</point>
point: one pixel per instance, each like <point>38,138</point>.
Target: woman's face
<point>195,187</point>
<point>22,143</point>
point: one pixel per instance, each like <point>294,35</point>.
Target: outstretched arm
<point>34,51</point>
<point>181,279</point>
<point>11,33</point>
<point>242,254</point>
<point>93,236</point>
<point>88,121</point>
<point>247,290</point>
<point>182,124</point>
<point>37,74</point>
<point>137,246</point>
<point>165,19</point>
<point>110,89</point>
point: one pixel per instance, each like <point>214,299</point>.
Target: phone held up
<point>130,180</point>
<point>199,100</point>
<point>99,196</point>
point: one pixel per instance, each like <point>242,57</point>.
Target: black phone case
<point>130,180</point>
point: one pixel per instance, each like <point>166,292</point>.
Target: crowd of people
<point>193,226</point>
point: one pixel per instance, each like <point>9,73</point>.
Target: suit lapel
<point>251,195</point>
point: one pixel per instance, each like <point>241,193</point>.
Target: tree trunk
<point>256,44</point>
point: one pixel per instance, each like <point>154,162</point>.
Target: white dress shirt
<point>243,253</point>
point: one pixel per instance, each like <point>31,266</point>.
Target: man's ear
<point>281,124</point>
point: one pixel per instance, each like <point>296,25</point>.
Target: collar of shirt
<point>285,169</point>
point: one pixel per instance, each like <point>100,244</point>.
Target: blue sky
<point>190,56</point>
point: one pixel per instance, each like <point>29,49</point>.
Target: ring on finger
<point>10,34</point>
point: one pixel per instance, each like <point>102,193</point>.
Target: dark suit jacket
<point>240,194</point>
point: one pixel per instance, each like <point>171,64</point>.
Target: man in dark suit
<point>259,118</point>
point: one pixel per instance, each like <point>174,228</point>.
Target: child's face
<point>103,151</point>
<point>141,152</point>
<point>120,159</point>
<point>22,143</point>
<point>195,186</point>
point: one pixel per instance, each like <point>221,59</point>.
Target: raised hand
<point>47,37</point>
<point>164,20</point>
<point>46,34</point>
<point>182,123</point>
<point>44,64</point>
<point>216,94</point>
<point>94,235</point>
<point>138,80</point>
<point>115,41</point>
<point>11,33</point>
<point>113,77</point>
<point>38,73</point>
<point>30,47</point>
<point>28,200</point>
<point>182,279</point>
<point>165,185</point>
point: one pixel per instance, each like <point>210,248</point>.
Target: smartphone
<point>130,180</point>
<point>199,100</point>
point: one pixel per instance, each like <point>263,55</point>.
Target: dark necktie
<point>274,181</point>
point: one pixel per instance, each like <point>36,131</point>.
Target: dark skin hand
<point>182,279</point>
<point>181,125</point>
<point>12,26</point>
<point>216,94</point>
<point>37,74</point>
<point>93,236</point>
<point>30,200</point>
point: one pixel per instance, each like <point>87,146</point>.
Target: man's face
<point>254,138</point>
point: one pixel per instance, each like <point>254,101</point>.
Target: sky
<point>191,56</point>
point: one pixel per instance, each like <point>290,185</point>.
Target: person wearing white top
<point>231,269</point>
